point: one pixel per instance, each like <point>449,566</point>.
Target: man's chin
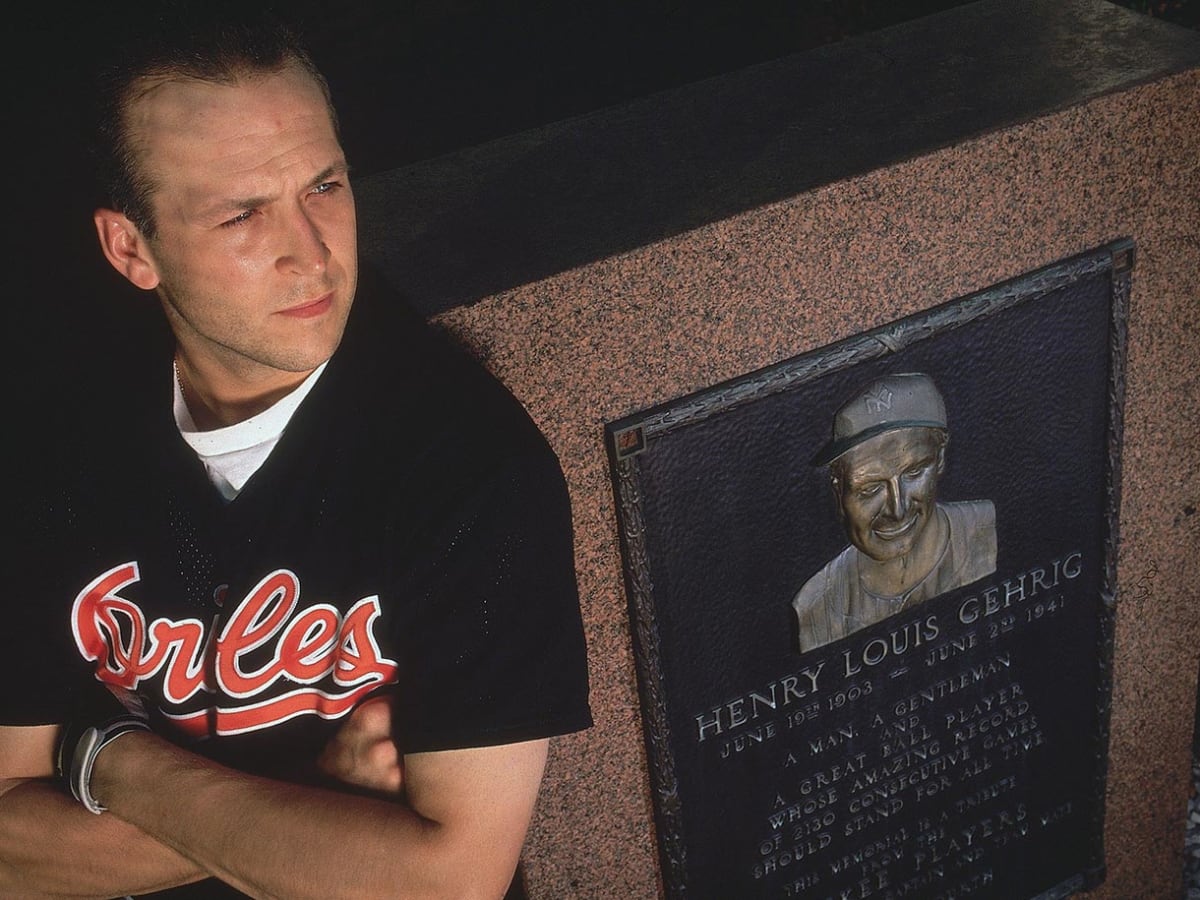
<point>884,550</point>
<point>879,556</point>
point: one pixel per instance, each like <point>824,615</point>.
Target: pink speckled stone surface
<point>595,343</point>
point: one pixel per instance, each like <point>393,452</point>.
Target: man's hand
<point>363,753</point>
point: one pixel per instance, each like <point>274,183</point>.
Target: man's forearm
<point>51,847</point>
<point>271,839</point>
<point>266,838</point>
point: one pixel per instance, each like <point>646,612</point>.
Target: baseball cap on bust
<point>908,400</point>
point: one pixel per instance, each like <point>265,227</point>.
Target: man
<point>337,576</point>
<point>886,456</point>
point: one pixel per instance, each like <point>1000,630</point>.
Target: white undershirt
<point>234,453</point>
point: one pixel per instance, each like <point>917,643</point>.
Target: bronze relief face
<point>886,456</point>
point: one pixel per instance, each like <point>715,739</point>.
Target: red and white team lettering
<point>316,645</point>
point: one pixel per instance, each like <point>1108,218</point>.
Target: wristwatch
<point>87,748</point>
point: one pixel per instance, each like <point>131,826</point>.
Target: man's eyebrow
<point>219,208</point>
<point>338,169</point>
<point>867,473</point>
<point>237,204</point>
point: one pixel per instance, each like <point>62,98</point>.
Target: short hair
<point>181,42</point>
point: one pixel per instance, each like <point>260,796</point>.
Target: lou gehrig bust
<point>886,456</point>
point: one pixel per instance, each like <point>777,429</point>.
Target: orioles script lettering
<point>334,657</point>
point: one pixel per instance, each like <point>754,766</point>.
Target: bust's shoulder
<point>972,515</point>
<point>828,586</point>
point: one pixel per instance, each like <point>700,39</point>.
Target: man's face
<point>255,253</point>
<point>887,490</point>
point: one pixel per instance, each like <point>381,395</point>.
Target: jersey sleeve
<point>494,645</point>
<point>36,644</point>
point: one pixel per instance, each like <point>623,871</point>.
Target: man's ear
<point>835,486</point>
<point>125,248</point>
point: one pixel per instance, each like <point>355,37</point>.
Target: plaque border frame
<point>627,438</point>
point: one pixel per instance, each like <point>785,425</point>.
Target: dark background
<point>413,80</point>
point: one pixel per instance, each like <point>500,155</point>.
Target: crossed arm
<point>453,826</point>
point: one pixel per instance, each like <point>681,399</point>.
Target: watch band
<point>91,742</point>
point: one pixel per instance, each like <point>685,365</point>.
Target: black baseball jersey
<point>410,532</point>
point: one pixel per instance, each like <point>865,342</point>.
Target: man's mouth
<point>310,308</point>
<point>891,532</point>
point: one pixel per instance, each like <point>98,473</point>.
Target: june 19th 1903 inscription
<point>874,656</point>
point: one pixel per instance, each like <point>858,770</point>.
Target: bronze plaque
<point>872,598</point>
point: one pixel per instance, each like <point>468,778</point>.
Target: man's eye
<point>239,219</point>
<point>326,187</point>
<point>870,490</point>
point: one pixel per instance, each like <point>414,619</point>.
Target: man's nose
<point>897,499</point>
<point>303,251</point>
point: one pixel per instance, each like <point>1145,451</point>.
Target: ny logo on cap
<point>880,401</point>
